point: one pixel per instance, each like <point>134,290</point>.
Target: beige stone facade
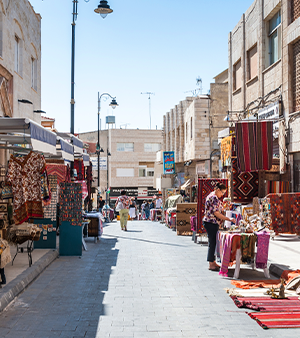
<point>264,67</point>
<point>20,59</point>
<point>191,131</point>
<point>132,160</point>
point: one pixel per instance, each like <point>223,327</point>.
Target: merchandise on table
<point>50,210</point>
<point>183,213</point>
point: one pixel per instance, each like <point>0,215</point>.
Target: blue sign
<point>169,162</point>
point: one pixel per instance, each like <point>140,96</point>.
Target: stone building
<point>20,62</point>
<point>20,59</point>
<point>131,162</point>
<point>191,131</point>
<point>264,74</point>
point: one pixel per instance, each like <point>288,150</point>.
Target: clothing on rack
<point>226,146</point>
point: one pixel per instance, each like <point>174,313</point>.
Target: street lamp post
<point>107,154</point>
<point>103,9</point>
<point>99,150</point>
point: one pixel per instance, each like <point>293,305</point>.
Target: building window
<point>191,127</point>
<point>186,130</point>
<point>125,172</point>
<point>125,147</point>
<point>237,75</point>
<point>142,171</point>
<point>150,172</point>
<point>252,63</point>
<point>296,76</point>
<point>151,147</point>
<point>275,38</point>
<point>295,7</point>
<point>34,73</point>
<point>17,54</point>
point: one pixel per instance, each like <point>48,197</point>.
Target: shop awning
<point>77,144</point>
<point>185,185</point>
<point>86,160</point>
<point>23,131</point>
<point>65,149</point>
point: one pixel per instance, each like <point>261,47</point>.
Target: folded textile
<point>267,304</point>
<point>248,247</point>
<point>263,239</point>
<point>226,255</point>
<point>276,320</point>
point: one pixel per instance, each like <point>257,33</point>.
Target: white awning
<point>86,160</point>
<point>65,149</point>
<point>25,132</point>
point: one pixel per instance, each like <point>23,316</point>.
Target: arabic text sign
<point>169,162</point>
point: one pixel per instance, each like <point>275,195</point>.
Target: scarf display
<point>248,247</point>
<point>226,254</point>
<point>254,143</point>
<point>263,239</point>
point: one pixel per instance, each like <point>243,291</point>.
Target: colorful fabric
<point>24,175</point>
<point>263,239</point>
<point>226,255</point>
<point>84,189</point>
<point>205,187</point>
<point>248,247</point>
<point>277,320</point>
<point>212,204</point>
<point>70,202</point>
<point>277,187</point>
<point>226,145</point>
<point>50,210</point>
<point>285,213</point>
<point>244,184</point>
<point>264,304</point>
<point>59,170</point>
<point>193,221</point>
<point>79,166</point>
<point>254,142</point>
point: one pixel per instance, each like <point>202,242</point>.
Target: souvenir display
<point>70,203</point>
<point>50,210</point>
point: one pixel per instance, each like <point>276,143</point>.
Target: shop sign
<point>132,191</point>
<point>169,162</point>
<point>143,192</point>
<point>152,192</point>
<point>103,163</point>
<point>271,112</point>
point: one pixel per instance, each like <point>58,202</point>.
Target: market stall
<point>170,210</point>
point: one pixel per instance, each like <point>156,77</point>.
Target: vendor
<point>212,219</point>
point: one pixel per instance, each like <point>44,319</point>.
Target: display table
<point>95,227</point>
<point>155,214</point>
<point>241,246</point>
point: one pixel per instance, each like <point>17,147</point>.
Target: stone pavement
<point>146,282</point>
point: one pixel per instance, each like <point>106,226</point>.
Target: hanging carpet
<point>254,143</point>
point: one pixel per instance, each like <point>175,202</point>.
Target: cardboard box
<point>183,214</point>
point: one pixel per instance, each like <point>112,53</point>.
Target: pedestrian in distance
<point>132,209</point>
<point>142,210</point>
<point>147,210</point>
<point>158,202</point>
<point>100,203</point>
<point>122,205</point>
<point>213,218</point>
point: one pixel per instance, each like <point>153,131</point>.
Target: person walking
<point>158,202</point>
<point>213,218</point>
<point>147,210</point>
<point>100,203</point>
<point>122,205</point>
<point>132,209</point>
<point>143,210</point>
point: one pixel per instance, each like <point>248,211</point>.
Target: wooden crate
<point>183,214</point>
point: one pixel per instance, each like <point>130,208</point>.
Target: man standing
<point>100,204</point>
<point>158,202</point>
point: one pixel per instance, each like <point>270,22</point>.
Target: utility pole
<point>149,98</point>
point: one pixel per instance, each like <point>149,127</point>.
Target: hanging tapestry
<point>50,210</point>
<point>89,179</point>
<point>79,166</point>
<point>278,187</point>
<point>285,213</point>
<point>70,203</point>
<point>59,170</point>
<point>254,142</point>
<point>24,175</point>
<point>205,187</point>
<point>244,184</point>
<point>226,145</point>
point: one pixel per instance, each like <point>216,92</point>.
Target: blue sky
<point>158,46</point>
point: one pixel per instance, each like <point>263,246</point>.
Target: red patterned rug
<point>276,320</point>
<point>265,304</point>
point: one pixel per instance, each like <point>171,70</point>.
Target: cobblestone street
<point>146,282</point>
